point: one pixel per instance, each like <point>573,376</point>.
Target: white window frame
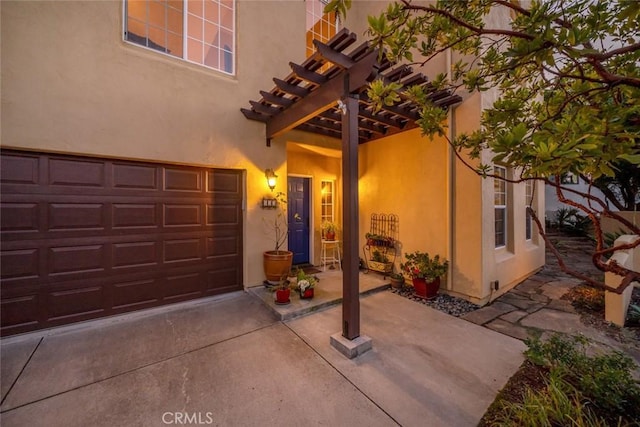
<point>529,193</point>
<point>185,38</point>
<point>500,202</point>
<point>332,190</point>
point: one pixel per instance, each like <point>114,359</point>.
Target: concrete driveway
<point>229,362</point>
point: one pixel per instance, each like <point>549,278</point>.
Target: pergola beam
<point>321,99</point>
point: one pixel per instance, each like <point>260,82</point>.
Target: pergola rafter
<point>307,98</point>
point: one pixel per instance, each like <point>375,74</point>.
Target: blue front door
<point>298,216</point>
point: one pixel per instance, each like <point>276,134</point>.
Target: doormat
<point>311,270</point>
<point>308,269</point>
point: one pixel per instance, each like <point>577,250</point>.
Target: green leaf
<point>631,158</point>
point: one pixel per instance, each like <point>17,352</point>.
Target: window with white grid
<point>500,206</point>
<point>320,26</point>
<point>327,203</point>
<point>529,191</point>
<point>199,31</point>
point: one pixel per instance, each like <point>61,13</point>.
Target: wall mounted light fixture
<point>271,178</point>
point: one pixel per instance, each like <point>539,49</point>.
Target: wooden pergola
<point>326,95</point>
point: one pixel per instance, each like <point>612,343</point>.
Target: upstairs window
<point>320,26</point>
<point>198,31</point>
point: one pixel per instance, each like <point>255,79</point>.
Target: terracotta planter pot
<point>307,294</point>
<point>330,235</point>
<point>396,283</point>
<point>424,289</point>
<point>277,265</point>
<point>282,296</point>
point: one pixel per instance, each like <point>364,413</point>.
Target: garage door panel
<point>224,182</point>
<point>19,314</point>
<point>19,169</point>
<point>19,217</point>
<point>182,215</point>
<point>132,215</point>
<point>226,278</point>
<point>223,214</point>
<point>76,173</point>
<point>182,180</point>
<point>21,263</point>
<point>136,294</point>
<point>85,238</point>
<point>221,246</point>
<point>72,216</point>
<point>182,250</point>
<point>134,254</point>
<point>183,286</point>
<point>80,303</point>
<point>130,176</point>
<point>76,259</point>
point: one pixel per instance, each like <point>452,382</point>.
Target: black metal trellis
<point>382,244</point>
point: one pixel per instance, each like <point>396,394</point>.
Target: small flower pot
<point>424,289</point>
<point>307,294</point>
<point>396,283</point>
<point>282,296</point>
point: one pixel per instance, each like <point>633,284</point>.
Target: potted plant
<point>397,280</point>
<point>305,284</point>
<point>329,230</point>
<point>277,262</point>
<point>282,292</point>
<point>380,261</point>
<point>425,272</point>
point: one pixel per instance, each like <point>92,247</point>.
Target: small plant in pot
<point>397,280</point>
<point>305,284</point>
<point>282,292</point>
<point>425,272</point>
<point>329,230</point>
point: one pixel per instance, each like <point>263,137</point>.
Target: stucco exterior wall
<point>71,84</point>
<point>405,175</point>
<point>468,212</point>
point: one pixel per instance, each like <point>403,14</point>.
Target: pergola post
<point>350,343</point>
<point>350,282</point>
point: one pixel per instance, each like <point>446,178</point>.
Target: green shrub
<point>559,404</point>
<point>581,390</point>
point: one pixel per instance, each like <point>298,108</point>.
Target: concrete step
<point>327,293</point>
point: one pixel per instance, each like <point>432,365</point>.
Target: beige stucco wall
<point>71,84</point>
<point>468,218</point>
<point>405,175</point>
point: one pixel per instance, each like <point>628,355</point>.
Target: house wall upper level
<point>71,84</point>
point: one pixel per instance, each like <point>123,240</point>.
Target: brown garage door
<point>84,237</point>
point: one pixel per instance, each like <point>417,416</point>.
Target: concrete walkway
<point>229,361</point>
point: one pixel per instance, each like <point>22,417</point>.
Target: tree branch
<point>477,30</point>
